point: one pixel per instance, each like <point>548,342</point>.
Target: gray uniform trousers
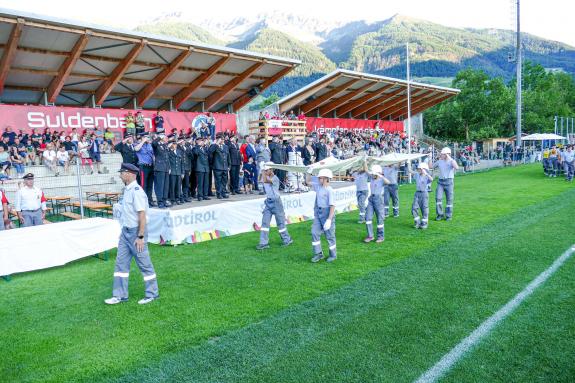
<point>320,216</point>
<point>420,202</point>
<point>569,168</point>
<point>273,207</point>
<point>554,166</point>
<point>1,221</point>
<point>361,197</point>
<point>390,191</point>
<point>127,251</point>
<point>375,206</point>
<point>32,217</point>
<point>444,185</point>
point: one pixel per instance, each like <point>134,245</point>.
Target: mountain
<point>437,52</point>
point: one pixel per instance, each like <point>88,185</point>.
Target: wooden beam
<point>415,101</point>
<point>216,97</point>
<point>430,101</point>
<point>362,100</point>
<point>343,99</point>
<point>9,52</point>
<point>186,92</point>
<point>395,108</point>
<point>386,97</point>
<point>243,100</point>
<point>309,106</point>
<point>148,91</point>
<point>106,87</point>
<point>290,104</point>
<point>66,68</point>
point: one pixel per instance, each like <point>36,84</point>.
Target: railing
<point>288,129</point>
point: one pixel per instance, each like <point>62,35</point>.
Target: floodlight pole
<point>408,108</point>
<point>519,76</point>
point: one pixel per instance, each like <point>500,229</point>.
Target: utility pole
<point>408,109</point>
<point>519,76</point>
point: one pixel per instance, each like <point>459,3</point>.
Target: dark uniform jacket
<point>234,154</point>
<point>128,153</point>
<point>162,162</point>
<point>188,157</point>
<point>219,155</point>
<point>201,159</point>
<point>320,152</point>
<point>277,153</point>
<point>175,159</point>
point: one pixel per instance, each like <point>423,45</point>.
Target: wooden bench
<point>69,214</point>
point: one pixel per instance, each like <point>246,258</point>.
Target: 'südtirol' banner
<point>198,224</point>
<point>28,117</point>
<point>326,125</point>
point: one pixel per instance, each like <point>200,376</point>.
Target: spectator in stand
<point>21,149</point>
<point>159,123</point>
<point>10,134</point>
<point>301,116</point>
<point>291,115</point>
<point>4,160</point>
<point>69,146</point>
<point>49,159</point>
<point>140,126</point>
<point>30,203</point>
<point>130,125</point>
<point>109,139</point>
<point>5,143</point>
<point>84,151</point>
<point>212,126</point>
<point>63,158</point>
<point>95,151</point>
<point>23,137</point>
<point>204,130</point>
<point>17,161</point>
<point>75,138</point>
<point>47,136</point>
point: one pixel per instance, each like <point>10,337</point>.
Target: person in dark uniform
<point>126,149</point>
<point>278,157</point>
<point>145,154</point>
<point>235,164</point>
<point>321,150</point>
<point>187,159</point>
<point>161,170</point>
<point>219,155</point>
<point>133,241</point>
<point>201,166</point>
<point>176,171</point>
<point>193,180</point>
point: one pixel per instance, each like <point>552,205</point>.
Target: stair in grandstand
<point>430,141</point>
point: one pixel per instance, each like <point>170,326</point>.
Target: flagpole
<point>408,108</point>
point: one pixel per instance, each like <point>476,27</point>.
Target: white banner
<point>275,123</point>
<point>41,247</point>
<point>198,224</point>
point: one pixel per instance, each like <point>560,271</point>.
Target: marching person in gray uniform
<point>568,160</point>
<point>421,197</point>
<point>133,240</point>
<point>375,205</point>
<point>30,203</point>
<point>390,192</point>
<point>324,216</point>
<point>360,178</point>
<point>447,167</point>
<point>273,207</point>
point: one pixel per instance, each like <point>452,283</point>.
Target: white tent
<point>542,137</point>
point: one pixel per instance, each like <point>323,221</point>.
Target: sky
<point>551,19</point>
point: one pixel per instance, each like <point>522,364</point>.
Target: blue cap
<point>126,167</point>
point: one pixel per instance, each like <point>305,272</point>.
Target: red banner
<point>325,125</point>
<point>28,117</point>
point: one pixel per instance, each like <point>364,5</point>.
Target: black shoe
<point>211,195</point>
<point>226,196</point>
<point>188,200</point>
<point>152,204</point>
<point>219,197</point>
<point>162,206</point>
<point>234,193</point>
<point>206,198</point>
<point>239,192</point>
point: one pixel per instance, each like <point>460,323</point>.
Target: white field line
<point>452,357</point>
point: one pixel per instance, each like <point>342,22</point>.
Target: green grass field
<point>380,313</point>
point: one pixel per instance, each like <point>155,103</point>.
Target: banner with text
<point>326,125</point>
<point>204,223</point>
<point>28,117</point>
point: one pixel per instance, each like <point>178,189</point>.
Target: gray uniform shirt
<point>360,180</point>
<point>446,169</point>
<point>391,173</point>
<point>568,156</point>
<point>133,201</point>
<point>325,196</point>
<point>421,182</point>
<point>376,186</point>
<point>273,190</point>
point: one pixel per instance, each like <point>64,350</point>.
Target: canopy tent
<point>348,94</point>
<point>543,137</point>
<point>46,60</point>
<point>350,164</point>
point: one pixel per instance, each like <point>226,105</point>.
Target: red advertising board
<point>28,117</point>
<point>325,125</point>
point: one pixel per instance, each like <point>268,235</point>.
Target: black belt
<point>149,165</point>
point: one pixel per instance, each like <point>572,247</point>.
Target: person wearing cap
<point>421,197</point>
<point>30,203</point>
<point>161,170</point>
<point>4,218</point>
<point>360,178</point>
<point>176,172</point>
<point>145,154</point>
<point>186,151</point>
<point>273,206</point>
<point>324,215</point>
<point>375,204</point>
<point>133,241</point>
<point>236,162</point>
<point>219,155</point>
<point>447,167</point>
<point>202,168</point>
<point>391,172</point>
